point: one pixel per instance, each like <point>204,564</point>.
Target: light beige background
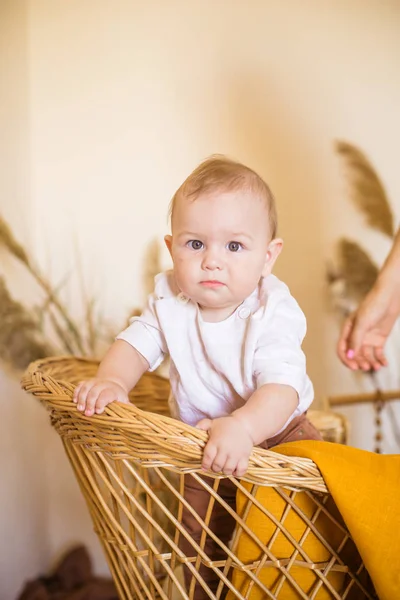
<point>105,107</point>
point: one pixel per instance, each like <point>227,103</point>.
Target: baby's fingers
<point>230,466</point>
<point>219,462</point>
<point>204,424</point>
<point>84,389</point>
<point>241,468</point>
<point>77,392</point>
<point>91,400</point>
<point>81,392</point>
<point>210,452</point>
<point>104,398</point>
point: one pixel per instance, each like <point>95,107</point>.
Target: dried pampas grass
<point>24,332</point>
<point>366,189</point>
<point>356,268</point>
<point>66,327</point>
<point>10,243</point>
<point>20,339</point>
<point>355,272</point>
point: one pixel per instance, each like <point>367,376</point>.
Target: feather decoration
<point>367,190</point>
<point>356,268</point>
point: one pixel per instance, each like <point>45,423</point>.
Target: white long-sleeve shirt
<point>216,367</point>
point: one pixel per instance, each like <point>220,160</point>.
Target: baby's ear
<point>274,250</point>
<point>168,243</point>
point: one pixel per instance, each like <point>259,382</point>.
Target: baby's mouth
<point>211,283</point>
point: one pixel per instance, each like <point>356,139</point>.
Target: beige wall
<point>23,425</point>
<point>124,98</point>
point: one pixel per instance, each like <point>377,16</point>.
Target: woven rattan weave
<point>130,463</point>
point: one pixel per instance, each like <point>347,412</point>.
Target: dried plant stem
<point>63,336</point>
<point>91,330</point>
<point>8,240</point>
<point>91,333</point>
<point>20,341</point>
<point>61,309</point>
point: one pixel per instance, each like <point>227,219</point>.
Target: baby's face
<point>220,247</point>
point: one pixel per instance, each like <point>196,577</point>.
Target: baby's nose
<point>211,260</point>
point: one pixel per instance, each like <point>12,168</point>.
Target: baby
<point>233,333</point>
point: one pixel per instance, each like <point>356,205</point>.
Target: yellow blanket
<point>366,490</point>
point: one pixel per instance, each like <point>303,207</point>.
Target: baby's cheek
<point>185,269</point>
<point>184,277</point>
<point>182,261</point>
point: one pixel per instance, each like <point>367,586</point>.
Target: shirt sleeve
<point>145,335</point>
<point>278,356</point>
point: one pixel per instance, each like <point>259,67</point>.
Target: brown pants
<point>221,522</point>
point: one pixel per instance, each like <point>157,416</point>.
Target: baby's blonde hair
<point>219,173</point>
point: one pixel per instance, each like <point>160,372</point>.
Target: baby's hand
<point>92,396</point>
<point>229,446</point>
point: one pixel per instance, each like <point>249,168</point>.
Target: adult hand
<point>364,333</point>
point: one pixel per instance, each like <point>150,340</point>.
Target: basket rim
<point>266,467</point>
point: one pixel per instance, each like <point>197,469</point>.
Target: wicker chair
<point>130,464</point>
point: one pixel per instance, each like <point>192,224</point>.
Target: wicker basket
<point>131,463</point>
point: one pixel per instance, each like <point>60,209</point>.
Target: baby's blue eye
<point>195,244</point>
<point>234,246</point>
